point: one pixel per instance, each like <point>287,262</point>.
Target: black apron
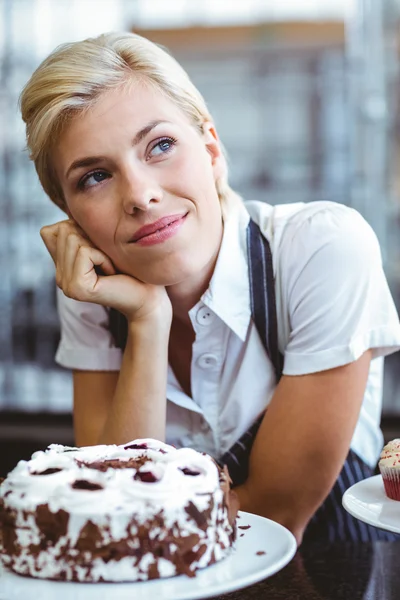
<point>331,522</point>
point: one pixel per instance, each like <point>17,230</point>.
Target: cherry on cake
<point>138,511</point>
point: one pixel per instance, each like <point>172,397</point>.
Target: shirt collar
<point>228,294</point>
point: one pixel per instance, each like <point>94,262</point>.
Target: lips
<point>155,227</point>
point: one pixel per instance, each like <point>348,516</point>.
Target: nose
<point>139,189</point>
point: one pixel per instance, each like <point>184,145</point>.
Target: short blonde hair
<point>72,78</point>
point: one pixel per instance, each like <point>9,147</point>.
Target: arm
<point>93,393</point>
<point>133,404</point>
<point>116,407</point>
<point>340,315</point>
<point>139,404</point>
<point>302,444</point>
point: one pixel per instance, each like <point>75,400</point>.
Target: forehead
<point>117,114</point>
<point>130,106</point>
<point>138,98</point>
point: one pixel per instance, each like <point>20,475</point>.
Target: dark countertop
<point>363,571</point>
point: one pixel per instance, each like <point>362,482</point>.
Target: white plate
<point>367,501</point>
<point>241,569</point>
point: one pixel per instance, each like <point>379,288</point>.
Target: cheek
<point>194,171</point>
<point>96,224</point>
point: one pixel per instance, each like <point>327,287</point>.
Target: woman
<point>124,144</point>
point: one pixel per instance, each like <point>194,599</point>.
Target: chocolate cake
<point>133,512</point>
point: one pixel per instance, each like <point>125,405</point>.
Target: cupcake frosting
<point>390,455</point>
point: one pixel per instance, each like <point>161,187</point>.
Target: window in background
<point>287,84</point>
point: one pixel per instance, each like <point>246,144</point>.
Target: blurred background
<point>305,95</point>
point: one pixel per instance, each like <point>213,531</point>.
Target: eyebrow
<point>92,160</point>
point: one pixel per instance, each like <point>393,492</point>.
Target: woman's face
<point>139,179</point>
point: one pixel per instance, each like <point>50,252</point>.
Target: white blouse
<point>333,303</point>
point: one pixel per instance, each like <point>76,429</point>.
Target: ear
<point>213,147</point>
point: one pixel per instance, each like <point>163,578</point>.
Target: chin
<point>162,277</point>
<point>167,279</point>
<point>171,270</point>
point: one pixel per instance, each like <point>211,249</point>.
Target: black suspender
<point>263,311</point>
<point>262,294</point>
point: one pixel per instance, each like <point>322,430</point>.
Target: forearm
<point>138,408</point>
<point>286,500</point>
<point>302,444</point>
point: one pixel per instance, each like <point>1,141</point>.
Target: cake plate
<point>263,547</point>
<point>367,501</point>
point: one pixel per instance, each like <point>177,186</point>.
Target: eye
<point>163,146</point>
<point>92,179</point>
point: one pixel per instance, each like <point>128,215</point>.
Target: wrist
<point>151,314</point>
<point>152,328</point>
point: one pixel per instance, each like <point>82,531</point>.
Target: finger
<point>74,227</point>
<point>49,234</point>
<point>106,264</point>
<point>84,276</point>
<point>72,245</point>
<point>89,258</point>
<point>63,233</point>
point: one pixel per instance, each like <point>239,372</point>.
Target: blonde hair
<point>72,78</point>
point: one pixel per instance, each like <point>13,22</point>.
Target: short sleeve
<point>86,342</point>
<point>335,290</point>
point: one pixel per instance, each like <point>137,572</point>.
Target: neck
<point>187,293</point>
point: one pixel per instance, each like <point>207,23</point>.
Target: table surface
<point>342,571</point>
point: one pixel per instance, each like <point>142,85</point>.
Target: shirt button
<point>204,316</point>
<point>204,427</point>
<point>207,361</point>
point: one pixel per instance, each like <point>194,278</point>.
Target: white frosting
<point>121,505</point>
<point>390,455</point>
<point>392,446</point>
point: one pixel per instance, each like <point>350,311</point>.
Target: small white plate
<point>367,501</point>
<point>262,550</point>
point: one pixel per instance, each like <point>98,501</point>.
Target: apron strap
<point>263,311</point>
<point>262,294</point>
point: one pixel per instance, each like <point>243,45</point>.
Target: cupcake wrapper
<point>391,481</point>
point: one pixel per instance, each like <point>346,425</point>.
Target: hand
<point>85,273</point>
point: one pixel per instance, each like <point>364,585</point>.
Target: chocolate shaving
<point>145,476</point>
<point>115,463</point>
<point>187,471</point>
<point>89,537</point>
<point>8,519</point>
<point>187,543</point>
<point>153,571</point>
<point>52,525</point>
<point>83,484</point>
<point>244,526</point>
<point>194,513</point>
<point>136,447</point>
<point>192,556</point>
<point>260,553</point>
<point>49,471</point>
<point>231,499</point>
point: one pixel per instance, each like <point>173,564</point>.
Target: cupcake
<point>389,466</point>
